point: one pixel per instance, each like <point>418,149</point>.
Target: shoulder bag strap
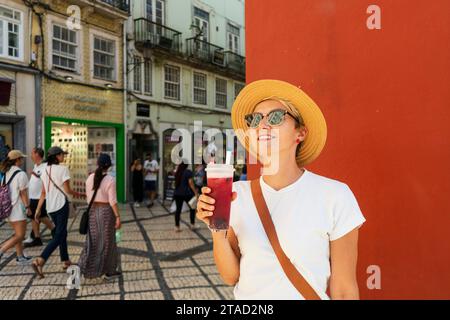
<point>50,179</point>
<point>12,177</point>
<point>289,269</point>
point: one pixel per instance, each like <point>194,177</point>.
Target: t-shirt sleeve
<point>346,214</point>
<point>65,174</point>
<point>112,194</point>
<point>22,181</point>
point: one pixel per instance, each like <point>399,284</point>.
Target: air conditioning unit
<point>218,58</point>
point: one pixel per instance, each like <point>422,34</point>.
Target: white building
<point>185,63</point>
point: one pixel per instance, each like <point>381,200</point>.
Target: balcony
<point>118,4</point>
<point>235,62</point>
<point>150,34</point>
<point>204,51</point>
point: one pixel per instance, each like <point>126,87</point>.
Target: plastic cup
<point>220,181</point>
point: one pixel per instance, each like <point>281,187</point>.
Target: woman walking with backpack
<point>100,256</point>
<point>15,203</point>
<point>55,188</point>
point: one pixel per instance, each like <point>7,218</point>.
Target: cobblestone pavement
<point>156,263</point>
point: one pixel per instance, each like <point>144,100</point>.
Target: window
<point>137,74</point>
<point>64,51</point>
<point>148,76</point>
<point>171,82</point>
<point>104,58</point>
<point>11,33</point>
<point>233,38</point>
<point>159,11</point>
<point>200,88</point>
<point>221,93</point>
<point>201,21</point>
<point>237,88</point>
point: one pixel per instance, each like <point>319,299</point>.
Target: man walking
<point>151,169</point>
<point>34,190</point>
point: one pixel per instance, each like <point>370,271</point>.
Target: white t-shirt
<point>307,215</point>
<point>151,165</point>
<point>35,189</point>
<point>19,183</point>
<point>55,198</point>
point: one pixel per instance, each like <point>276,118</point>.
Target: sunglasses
<point>274,118</point>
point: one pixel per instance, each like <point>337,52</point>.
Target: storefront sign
<point>88,104</point>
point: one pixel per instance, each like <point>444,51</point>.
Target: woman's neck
<point>288,172</point>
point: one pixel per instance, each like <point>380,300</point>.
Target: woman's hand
<point>118,223</point>
<point>205,205</point>
<point>29,213</point>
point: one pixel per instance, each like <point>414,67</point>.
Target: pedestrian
<point>35,190</point>
<point>100,255</point>
<point>243,176</point>
<point>17,182</point>
<point>184,191</point>
<point>293,233</point>
<point>151,169</point>
<point>138,182</point>
<point>199,177</point>
<point>55,190</point>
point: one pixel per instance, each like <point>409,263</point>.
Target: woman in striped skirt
<point>100,255</point>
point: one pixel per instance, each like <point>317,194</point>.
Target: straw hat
<point>313,118</point>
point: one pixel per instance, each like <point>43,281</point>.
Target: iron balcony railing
<point>151,34</point>
<point>235,61</point>
<point>123,5</point>
<point>205,51</point>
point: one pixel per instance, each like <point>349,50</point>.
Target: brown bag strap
<point>289,269</point>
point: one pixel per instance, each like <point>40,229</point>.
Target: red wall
<point>386,97</point>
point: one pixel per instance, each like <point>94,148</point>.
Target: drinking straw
<point>228,158</point>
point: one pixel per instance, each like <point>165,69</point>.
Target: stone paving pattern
<point>156,263</point>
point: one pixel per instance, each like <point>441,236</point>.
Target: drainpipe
<point>124,68</point>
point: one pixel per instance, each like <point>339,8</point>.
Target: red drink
<point>221,189</point>
<point>220,181</point>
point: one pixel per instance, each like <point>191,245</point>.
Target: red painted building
<point>386,96</point>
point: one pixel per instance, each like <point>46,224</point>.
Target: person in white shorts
<point>17,181</point>
<point>34,192</point>
<point>151,168</point>
<point>315,218</point>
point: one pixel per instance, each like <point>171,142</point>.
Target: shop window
<point>171,82</point>
<point>11,37</point>
<point>200,84</point>
<point>221,93</point>
<point>104,58</point>
<point>64,48</point>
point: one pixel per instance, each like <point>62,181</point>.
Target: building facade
<point>186,63</point>
<point>19,81</point>
<point>79,46</point>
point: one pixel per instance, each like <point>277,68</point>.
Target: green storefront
<point>85,140</point>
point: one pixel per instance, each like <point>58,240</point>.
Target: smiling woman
<point>292,232</point>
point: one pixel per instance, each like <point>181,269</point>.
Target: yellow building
<point>79,46</point>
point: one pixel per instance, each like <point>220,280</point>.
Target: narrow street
<point>156,263</point>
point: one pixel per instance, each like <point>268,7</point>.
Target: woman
<point>17,181</point>
<point>55,188</point>
<point>100,255</point>
<point>316,219</point>
<point>138,182</point>
<point>184,191</point>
